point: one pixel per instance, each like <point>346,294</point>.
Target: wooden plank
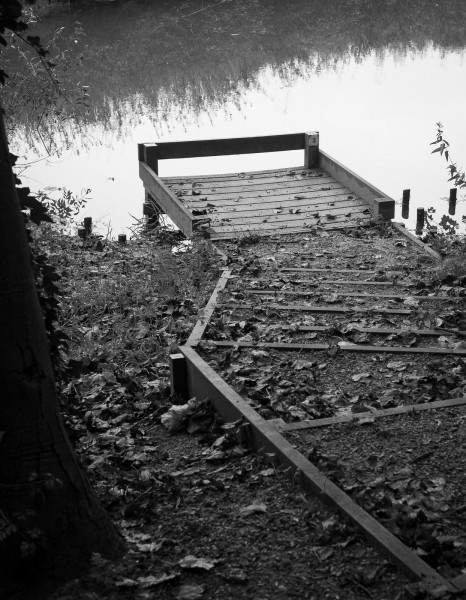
<point>201,325</point>
<point>253,202</point>
<point>342,282</point>
<point>291,221</point>
<point>239,184</point>
<point>273,292</point>
<point>175,209</point>
<point>355,183</point>
<point>306,270</point>
<point>204,382</point>
<point>268,173</point>
<point>377,330</point>
<point>241,188</point>
<point>401,229</point>
<point>321,309</point>
<point>221,147</point>
<point>269,217</point>
<point>344,346</point>
<point>304,208</point>
<point>376,414</point>
<point>236,235</point>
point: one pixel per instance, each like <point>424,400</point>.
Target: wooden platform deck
<point>321,193</point>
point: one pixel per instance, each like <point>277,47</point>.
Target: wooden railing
<point>158,194</point>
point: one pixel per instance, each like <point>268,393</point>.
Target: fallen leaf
<point>191,562</point>
<point>152,581</point>
<point>259,507</point>
<point>360,376</point>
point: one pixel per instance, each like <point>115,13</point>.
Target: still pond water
<point>373,80</point>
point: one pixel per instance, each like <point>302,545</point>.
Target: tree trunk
<point>50,519</point>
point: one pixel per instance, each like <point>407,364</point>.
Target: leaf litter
<point>177,496</point>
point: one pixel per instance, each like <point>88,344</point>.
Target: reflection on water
<point>372,77</point>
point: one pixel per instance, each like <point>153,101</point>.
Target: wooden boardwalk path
<point>343,303</point>
<point>314,331</point>
<point>321,193</point>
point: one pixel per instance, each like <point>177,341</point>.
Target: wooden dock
<point>320,193</point>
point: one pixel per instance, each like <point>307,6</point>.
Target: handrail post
<point>148,153</point>
<point>311,150</point>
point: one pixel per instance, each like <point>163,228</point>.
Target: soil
<point>252,532</point>
<point>408,471</point>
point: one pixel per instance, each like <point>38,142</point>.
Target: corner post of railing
<point>311,150</point>
<point>148,153</point>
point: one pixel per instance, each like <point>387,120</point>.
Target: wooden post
<point>87,222</point>
<point>151,210</point>
<point>178,376</point>
<point>122,238</point>
<point>383,208</point>
<point>420,220</point>
<point>81,232</point>
<point>311,150</point>
<point>148,153</point>
<point>405,204</point>
<point>452,202</point>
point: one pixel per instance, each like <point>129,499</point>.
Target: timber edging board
<point>402,229</point>
<point>318,309</point>
<point>376,414</point>
<point>344,346</point>
<point>203,382</point>
<point>208,311</point>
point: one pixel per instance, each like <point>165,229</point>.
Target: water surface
<point>372,79</point>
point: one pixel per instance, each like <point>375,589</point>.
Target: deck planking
<point>276,201</point>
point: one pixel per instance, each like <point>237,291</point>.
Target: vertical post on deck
<point>122,238</point>
<point>178,376</point>
<point>420,220</point>
<point>452,202</point>
<point>311,150</point>
<point>148,153</point>
<point>405,204</point>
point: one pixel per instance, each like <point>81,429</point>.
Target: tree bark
<point>50,519</point>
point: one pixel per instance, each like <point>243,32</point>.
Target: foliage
<point>457,174</point>
<point>43,93</point>
<point>36,217</point>
<point>444,235</point>
<point>65,206</point>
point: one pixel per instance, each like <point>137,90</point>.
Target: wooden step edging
<point>318,309</point>
<point>407,234</point>
<point>376,414</point>
<point>376,330</point>
<point>208,310</point>
<point>289,292</point>
<point>344,346</point>
<point>202,382</point>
